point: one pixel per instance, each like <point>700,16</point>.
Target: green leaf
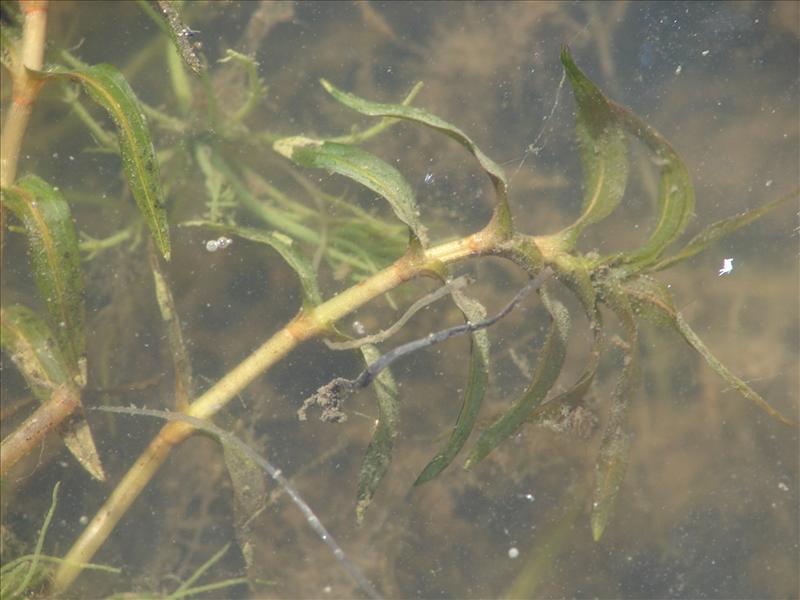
<point>53,247</point>
<point>612,459</point>
<point>356,137</point>
<point>79,440</point>
<point>477,381</point>
<point>362,167</point>
<point>180,35</point>
<point>612,463</point>
<point>417,115</point>
<point>33,348</point>
<point>654,301</point>
<point>182,366</point>
<point>675,194</point>
<point>553,410</point>
<point>651,300</point>
<point>31,345</point>
<point>34,572</point>
<point>283,245</point>
<point>249,497</point>
<point>108,88</point>
<point>719,230</point>
<point>378,456</point>
<point>548,368</point>
<point>603,151</point>
<point>736,382</point>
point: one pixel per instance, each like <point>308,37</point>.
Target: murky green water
<point>709,505</point>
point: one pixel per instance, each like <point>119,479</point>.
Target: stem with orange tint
<point>25,89</point>
<point>44,419</point>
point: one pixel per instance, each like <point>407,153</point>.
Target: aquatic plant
<point>48,346</point>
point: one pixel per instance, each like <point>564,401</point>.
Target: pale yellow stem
<point>305,326</point>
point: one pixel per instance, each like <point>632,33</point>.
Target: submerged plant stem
<point>309,323</point>
<point>229,439</point>
<point>377,338</point>
<point>331,395</point>
<point>25,88</point>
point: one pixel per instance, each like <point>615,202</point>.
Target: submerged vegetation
<point>366,254</point>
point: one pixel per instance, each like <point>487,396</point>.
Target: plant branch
<point>25,88</point>
<point>30,432</point>
<point>307,324</point>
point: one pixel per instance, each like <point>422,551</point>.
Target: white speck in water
<point>83,520</point>
<point>429,178</point>
<point>768,183</point>
<point>678,69</point>
<point>727,266</point>
<point>513,553</point>
<point>783,487</point>
<point>705,52</point>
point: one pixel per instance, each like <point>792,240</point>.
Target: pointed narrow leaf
<point>477,381</point>
<point>181,365</point>
<point>675,192</point>
<point>612,459</point>
<point>54,252</point>
<point>181,37</point>
<point>736,382</point>
<point>78,438</point>
<point>379,452</point>
<point>553,410</point>
<point>31,345</point>
<point>249,497</point>
<point>603,150</point>
<point>362,167</point>
<point>417,115</point>
<point>719,230</point>
<point>283,245</point>
<point>108,88</point>
<point>654,301</point>
<point>612,462</point>
<point>575,275</point>
<point>548,368</point>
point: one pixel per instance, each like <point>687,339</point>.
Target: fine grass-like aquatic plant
<point>48,346</point>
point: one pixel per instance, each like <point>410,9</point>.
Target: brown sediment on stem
<point>45,419</point>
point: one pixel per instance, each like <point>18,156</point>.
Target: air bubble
<point>218,244</point>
